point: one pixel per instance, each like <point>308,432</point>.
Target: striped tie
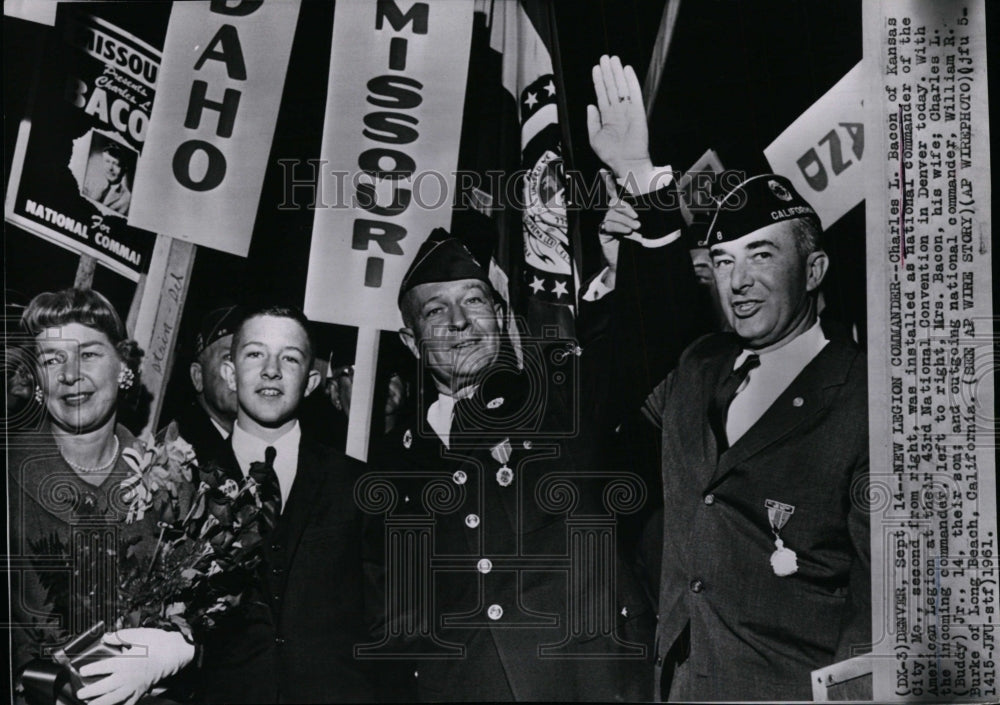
<point>270,490</point>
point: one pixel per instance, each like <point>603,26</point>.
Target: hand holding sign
<point>617,125</point>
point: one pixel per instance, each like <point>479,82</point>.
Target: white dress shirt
<point>441,412</point>
<point>777,370</point>
<point>250,449</point>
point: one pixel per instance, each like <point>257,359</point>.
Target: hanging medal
<point>501,453</point>
<point>784,562</point>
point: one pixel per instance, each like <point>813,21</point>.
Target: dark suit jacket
<point>197,428</point>
<point>292,640</point>
<point>753,634</point>
<point>539,648</point>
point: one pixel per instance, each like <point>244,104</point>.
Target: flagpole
<point>576,240</point>
<point>658,60</point>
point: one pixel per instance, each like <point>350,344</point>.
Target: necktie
<point>270,490</point>
<point>724,396</point>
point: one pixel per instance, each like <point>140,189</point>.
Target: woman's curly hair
<point>89,308</point>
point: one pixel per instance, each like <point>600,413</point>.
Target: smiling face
<point>80,368</point>
<point>112,168</point>
<point>454,328</point>
<point>271,372</point>
<point>765,284</point>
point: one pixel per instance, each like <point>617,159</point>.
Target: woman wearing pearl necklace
<point>67,506</point>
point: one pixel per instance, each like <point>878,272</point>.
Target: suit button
<point>276,597</point>
<point>277,571</point>
<point>484,566</point>
<point>697,585</point>
<point>279,641</point>
<point>275,547</point>
<point>494,612</point>
<point>472,521</point>
<point>710,499</point>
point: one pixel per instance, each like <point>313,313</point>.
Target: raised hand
<point>617,125</point>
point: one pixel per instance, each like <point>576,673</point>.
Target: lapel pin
<point>495,403</point>
<point>407,439</point>
<point>798,401</point>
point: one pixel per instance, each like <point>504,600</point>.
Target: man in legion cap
<point>765,566</point>
<point>507,616</point>
<point>208,420</point>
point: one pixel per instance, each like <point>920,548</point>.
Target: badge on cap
<point>779,190</point>
<point>784,562</point>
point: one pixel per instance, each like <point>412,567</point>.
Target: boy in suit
<point>293,636</point>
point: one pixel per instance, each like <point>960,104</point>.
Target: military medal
<point>784,562</point>
<point>501,453</point>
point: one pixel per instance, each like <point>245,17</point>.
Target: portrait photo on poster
<point>107,173</point>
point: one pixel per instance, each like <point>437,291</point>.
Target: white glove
<point>150,655</point>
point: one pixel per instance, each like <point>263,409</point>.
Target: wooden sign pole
<point>156,313</point>
<point>362,393</point>
<point>85,272</point>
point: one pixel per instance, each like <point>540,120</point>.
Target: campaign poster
<point>75,159</point>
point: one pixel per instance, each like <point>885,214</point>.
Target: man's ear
<point>816,265</point>
<point>313,381</point>
<point>229,374</point>
<point>196,377</point>
<point>409,339</point>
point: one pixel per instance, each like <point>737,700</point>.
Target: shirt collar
<point>220,428</point>
<point>250,449</point>
<point>802,347</point>
<point>441,412</point>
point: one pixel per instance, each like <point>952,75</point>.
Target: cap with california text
<point>756,203</point>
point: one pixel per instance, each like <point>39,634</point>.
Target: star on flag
<point>560,289</point>
<point>531,100</point>
<point>537,285</point>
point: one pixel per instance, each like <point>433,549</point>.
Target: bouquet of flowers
<point>183,576</point>
<point>208,546</point>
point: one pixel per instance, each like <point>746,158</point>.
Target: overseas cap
<point>757,202</point>
<point>217,324</point>
<point>442,258</point>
